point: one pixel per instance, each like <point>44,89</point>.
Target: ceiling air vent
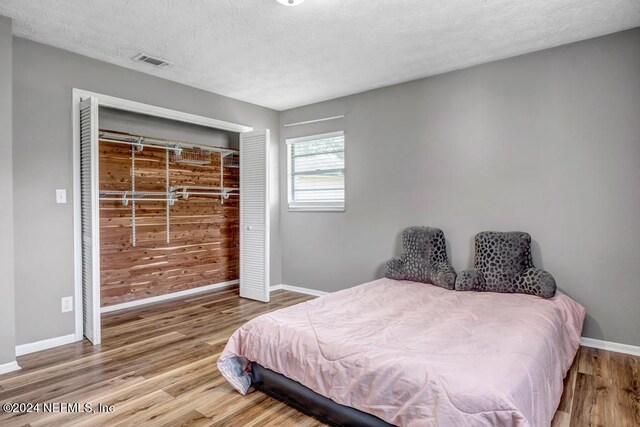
<point>156,62</point>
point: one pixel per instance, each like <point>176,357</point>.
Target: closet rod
<point>137,141</point>
<point>205,193</point>
<point>133,144</point>
<point>132,193</point>
<point>186,194</point>
<point>195,187</point>
<point>125,200</point>
<point>144,199</point>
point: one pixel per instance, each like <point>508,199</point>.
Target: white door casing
<point>80,102</point>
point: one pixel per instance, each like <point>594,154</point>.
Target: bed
<point>412,354</point>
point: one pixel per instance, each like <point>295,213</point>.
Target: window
<point>316,172</point>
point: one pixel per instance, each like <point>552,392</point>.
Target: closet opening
<point>159,207</point>
<point>169,208</point>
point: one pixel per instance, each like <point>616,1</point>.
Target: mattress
<point>413,354</point>
<point>311,403</point>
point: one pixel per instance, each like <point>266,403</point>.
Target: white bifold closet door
<point>90,219</point>
<point>254,215</point>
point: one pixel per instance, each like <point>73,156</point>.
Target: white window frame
<point>313,206</point>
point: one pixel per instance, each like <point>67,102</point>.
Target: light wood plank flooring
<point>157,367</point>
<point>602,388</point>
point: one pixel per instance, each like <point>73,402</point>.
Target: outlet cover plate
<point>67,304</point>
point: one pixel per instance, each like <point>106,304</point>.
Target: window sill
<point>316,208</point>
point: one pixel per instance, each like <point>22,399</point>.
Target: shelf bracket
<point>170,195</point>
<point>133,198</point>
<point>222,179</point>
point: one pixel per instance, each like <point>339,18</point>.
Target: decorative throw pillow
<point>424,258</point>
<point>503,264</point>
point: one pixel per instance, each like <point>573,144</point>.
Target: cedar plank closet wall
<point>204,233</point>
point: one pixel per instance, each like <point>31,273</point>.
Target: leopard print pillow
<point>424,258</point>
<point>503,264</point>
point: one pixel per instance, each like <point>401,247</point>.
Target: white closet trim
<point>165,113</point>
<point>125,105</point>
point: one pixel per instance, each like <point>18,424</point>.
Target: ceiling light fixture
<point>291,2</point>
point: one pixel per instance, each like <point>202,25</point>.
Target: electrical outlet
<point>67,304</point>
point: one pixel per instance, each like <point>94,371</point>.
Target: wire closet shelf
<point>177,152</point>
<point>140,142</point>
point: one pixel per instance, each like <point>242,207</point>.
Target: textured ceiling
<point>281,57</point>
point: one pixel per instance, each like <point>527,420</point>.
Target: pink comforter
<point>417,355</point>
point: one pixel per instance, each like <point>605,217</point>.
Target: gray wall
<point>7,317</point>
<point>43,80</point>
<point>547,143</point>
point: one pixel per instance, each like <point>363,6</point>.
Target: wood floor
<point>156,366</point>
<point>602,388</point>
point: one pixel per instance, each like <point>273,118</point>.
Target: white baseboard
<point>167,297</point>
<point>610,346</point>
<point>9,367</point>
<point>23,349</point>
<point>297,289</point>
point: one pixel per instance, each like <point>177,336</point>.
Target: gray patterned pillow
<point>503,264</point>
<point>424,258</point>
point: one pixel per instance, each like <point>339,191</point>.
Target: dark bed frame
<point>308,401</point>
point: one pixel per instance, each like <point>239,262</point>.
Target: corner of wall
<point>7,302</point>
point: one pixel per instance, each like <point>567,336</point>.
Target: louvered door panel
<point>254,215</point>
<point>90,220</point>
